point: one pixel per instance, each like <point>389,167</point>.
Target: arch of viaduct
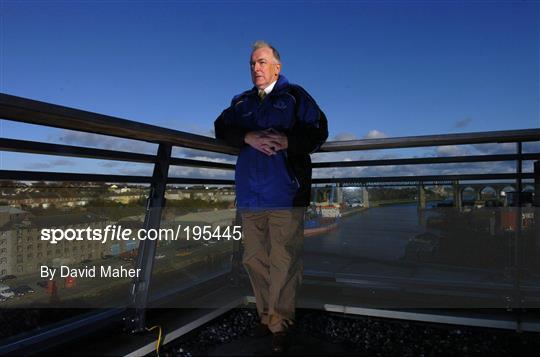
<point>498,188</point>
<point>335,193</point>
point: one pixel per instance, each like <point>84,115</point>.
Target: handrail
<point>35,112</point>
<point>36,147</point>
<point>485,137</point>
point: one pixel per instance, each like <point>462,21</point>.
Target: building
<point>22,251</point>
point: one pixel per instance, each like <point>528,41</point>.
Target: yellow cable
<point>159,337</point>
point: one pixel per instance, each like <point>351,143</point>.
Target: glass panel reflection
<point>203,219</point>
<point>50,256</point>
<point>433,246</point>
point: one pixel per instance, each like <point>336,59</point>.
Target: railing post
<point>457,195</point>
<point>537,188</point>
<point>365,196</point>
<point>518,236</point>
<point>537,209</point>
<point>339,193</point>
<point>135,322</point>
<point>238,276</point>
<point>421,205</point>
<point>421,196</point>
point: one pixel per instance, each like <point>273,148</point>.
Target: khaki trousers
<point>273,243</point>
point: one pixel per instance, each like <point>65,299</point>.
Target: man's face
<point>264,67</point>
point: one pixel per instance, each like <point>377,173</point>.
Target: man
<point>276,125</point>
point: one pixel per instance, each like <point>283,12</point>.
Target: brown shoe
<point>280,342</point>
<point>260,330</point>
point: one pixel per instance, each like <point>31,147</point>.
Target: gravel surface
<point>19,321</point>
<point>232,326</point>
<point>319,333</point>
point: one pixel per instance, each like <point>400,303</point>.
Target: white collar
<point>269,88</point>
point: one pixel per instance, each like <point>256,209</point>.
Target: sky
<point>376,68</point>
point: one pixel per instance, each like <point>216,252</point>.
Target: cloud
<point>50,164</point>
<point>494,148</point>
<point>191,126</point>
<point>78,138</point>
<point>180,171</point>
<point>112,143</point>
<point>420,170</point>
<point>111,164</point>
<point>462,123</point>
<point>416,170</point>
<point>345,137</point>
<point>452,150</point>
<point>372,134</point>
<point>341,156</point>
<point>194,172</point>
<point>194,154</point>
<point>508,148</point>
<point>375,134</point>
<point>225,160</point>
<point>337,172</point>
<point>87,139</point>
<point>532,147</point>
<point>136,171</point>
<point>486,149</point>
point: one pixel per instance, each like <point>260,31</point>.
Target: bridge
<point>334,192</point>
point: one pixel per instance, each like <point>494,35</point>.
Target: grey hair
<point>263,44</point>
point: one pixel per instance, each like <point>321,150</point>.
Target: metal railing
<point>45,114</point>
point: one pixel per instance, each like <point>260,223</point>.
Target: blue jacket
<point>282,180</point>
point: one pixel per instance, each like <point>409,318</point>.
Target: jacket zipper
<point>290,169</point>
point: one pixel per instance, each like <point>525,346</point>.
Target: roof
<point>11,210</point>
<point>54,221</point>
